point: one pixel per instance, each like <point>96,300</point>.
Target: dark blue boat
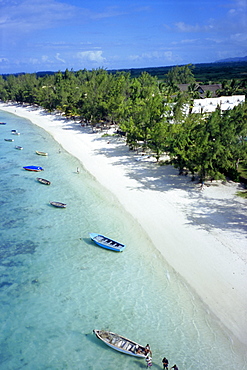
<point>33,168</point>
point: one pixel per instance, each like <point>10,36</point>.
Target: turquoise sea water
<point>56,286</point>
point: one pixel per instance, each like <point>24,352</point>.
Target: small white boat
<point>14,132</point>
<point>43,181</point>
<point>41,153</point>
<point>107,243</point>
<point>58,204</point>
<point>120,343</point>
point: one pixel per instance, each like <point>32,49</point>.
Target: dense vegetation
<point>148,111</point>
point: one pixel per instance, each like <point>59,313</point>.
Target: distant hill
<point>205,73</point>
<point>232,60</point>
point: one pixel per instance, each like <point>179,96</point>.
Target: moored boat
<point>18,147</point>
<point>15,132</point>
<point>2,123</point>
<point>33,168</point>
<point>120,343</point>
<point>41,153</point>
<point>58,204</point>
<point>107,243</point>
<point>9,139</point>
<point>43,181</point>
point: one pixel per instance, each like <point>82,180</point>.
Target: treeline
<point>206,73</point>
<point>148,112</point>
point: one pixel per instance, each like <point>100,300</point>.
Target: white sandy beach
<point>202,234</point>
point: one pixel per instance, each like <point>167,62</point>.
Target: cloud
<point>239,37</point>
<point>91,55</point>
<point>4,60</point>
<point>110,12</point>
<point>183,27</point>
<point>26,16</point>
<point>163,56</point>
<point>60,59</point>
<point>230,21</point>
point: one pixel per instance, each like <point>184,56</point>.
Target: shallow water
<point>56,286</point>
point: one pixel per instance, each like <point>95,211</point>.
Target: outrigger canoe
<point>43,181</point>
<point>107,243</point>
<point>120,343</point>
<point>41,153</point>
<point>58,204</point>
<point>33,168</point>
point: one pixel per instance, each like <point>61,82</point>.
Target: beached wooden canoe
<point>107,243</point>
<point>58,204</point>
<point>120,343</point>
<point>43,181</point>
<point>41,153</point>
<point>33,168</point>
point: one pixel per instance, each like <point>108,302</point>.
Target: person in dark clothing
<point>174,367</point>
<point>165,363</point>
<point>147,350</point>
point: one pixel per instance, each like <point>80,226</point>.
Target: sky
<point>53,35</point>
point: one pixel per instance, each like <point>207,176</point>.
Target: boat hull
<point>58,204</point>
<point>120,343</point>
<point>33,168</point>
<point>107,243</point>
<point>41,153</point>
<point>43,181</point>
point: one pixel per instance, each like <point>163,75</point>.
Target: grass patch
<point>242,194</point>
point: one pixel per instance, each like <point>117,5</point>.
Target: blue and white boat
<point>120,343</point>
<point>107,243</point>
<point>15,132</point>
<point>33,168</point>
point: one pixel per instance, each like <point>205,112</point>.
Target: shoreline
<point>202,234</point>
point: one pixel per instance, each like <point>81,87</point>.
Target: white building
<point>209,105</point>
